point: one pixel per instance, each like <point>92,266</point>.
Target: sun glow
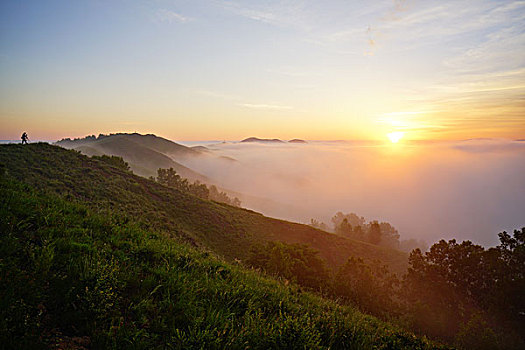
<point>395,136</point>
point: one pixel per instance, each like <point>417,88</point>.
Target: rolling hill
<point>144,153</point>
<point>147,153</point>
<point>256,139</point>
<point>95,256</point>
<point>226,230</point>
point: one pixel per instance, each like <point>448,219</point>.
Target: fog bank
<point>466,190</point>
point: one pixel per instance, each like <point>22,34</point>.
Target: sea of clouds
<point>469,189</point>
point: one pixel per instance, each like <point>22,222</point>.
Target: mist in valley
<point>469,189</point>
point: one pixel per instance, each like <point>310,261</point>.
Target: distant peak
<point>256,139</point>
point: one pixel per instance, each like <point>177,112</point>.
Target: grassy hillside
<point>147,153</point>
<point>226,230</point>
<point>144,153</point>
<point>87,261</point>
<point>151,141</point>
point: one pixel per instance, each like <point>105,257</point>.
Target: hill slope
<point>226,230</point>
<point>147,153</point>
<point>144,153</point>
<point>87,274</point>
<point>151,141</point>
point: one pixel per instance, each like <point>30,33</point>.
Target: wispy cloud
<point>277,13</point>
<point>164,15</point>
<point>264,106</point>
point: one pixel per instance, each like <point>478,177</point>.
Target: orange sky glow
<point>334,70</point>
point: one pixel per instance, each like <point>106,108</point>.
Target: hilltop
<point>151,141</point>
<point>97,256</point>
<point>144,153</point>
<point>256,139</point>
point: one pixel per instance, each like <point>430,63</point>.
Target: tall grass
<point>71,275</point>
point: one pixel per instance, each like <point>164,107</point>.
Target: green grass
<point>228,231</point>
<point>67,271</point>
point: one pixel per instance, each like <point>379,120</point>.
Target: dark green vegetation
<point>170,178</point>
<point>470,292</point>
<point>459,293</point>
<point>92,255</point>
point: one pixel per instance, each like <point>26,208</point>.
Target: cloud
<point>277,13</point>
<point>467,189</point>
<point>265,106</point>
<point>490,145</point>
<point>169,16</point>
<point>501,50</point>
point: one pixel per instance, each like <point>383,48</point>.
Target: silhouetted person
<point>24,138</point>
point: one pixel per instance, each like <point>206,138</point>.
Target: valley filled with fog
<point>469,189</point>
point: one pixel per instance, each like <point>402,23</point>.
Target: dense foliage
<point>463,285</point>
<point>169,177</point>
<point>115,161</point>
<point>458,293</point>
<point>295,262</point>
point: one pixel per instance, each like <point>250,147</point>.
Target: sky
<point>317,70</point>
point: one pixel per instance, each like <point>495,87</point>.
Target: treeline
<point>169,177</point>
<point>374,232</point>
<point>460,293</point>
<point>115,161</point>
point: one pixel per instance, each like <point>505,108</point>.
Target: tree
<point>374,233</point>
<point>318,224</point>
<point>168,177</point>
<point>353,219</point>
<point>115,161</point>
<point>344,229</point>
<point>389,235</point>
<point>296,262</point>
<point>200,190</point>
<point>454,281</point>
<point>371,287</point>
<point>358,232</point>
<point>476,334</point>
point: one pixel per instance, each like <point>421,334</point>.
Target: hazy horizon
<point>468,190</point>
<point>429,190</point>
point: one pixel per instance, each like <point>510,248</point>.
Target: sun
<point>395,136</point>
